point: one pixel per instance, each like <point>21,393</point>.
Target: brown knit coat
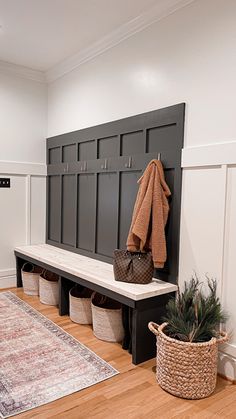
<point>147,231</point>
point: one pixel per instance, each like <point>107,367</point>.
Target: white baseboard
<point>7,282</point>
<point>227,366</point>
<point>7,272</point>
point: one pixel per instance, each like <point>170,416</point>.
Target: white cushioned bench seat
<point>94,271</point>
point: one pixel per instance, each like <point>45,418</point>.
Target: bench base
<point>140,342</point>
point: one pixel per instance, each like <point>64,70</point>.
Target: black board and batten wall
<point>92,183</point>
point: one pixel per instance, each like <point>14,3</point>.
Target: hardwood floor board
<point>208,407</point>
<point>131,405</point>
<point>103,407</point>
<point>127,402</point>
<point>83,410</point>
<point>132,394</point>
<point>124,385</point>
<point>229,411</point>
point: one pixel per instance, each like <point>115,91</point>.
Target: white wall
<point>190,56</point>
<point>23,117</point>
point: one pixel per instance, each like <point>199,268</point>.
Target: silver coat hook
<point>105,165</point>
<point>129,164</point>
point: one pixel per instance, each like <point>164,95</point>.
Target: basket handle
<point>29,263</point>
<point>154,328</point>
<point>224,337</point>
<point>102,299</point>
<point>43,273</point>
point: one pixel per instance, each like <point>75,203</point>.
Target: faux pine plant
<point>194,316</point>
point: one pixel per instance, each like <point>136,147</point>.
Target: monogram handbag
<point>134,267</point>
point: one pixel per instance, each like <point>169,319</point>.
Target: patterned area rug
<point>39,362</point>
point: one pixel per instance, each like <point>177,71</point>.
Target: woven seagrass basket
<point>49,288</point>
<point>186,369</point>
<point>107,318</point>
<point>80,305</point>
<point>30,278</point>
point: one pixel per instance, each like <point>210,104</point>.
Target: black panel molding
<point>92,183</point>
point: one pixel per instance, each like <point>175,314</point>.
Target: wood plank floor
<point>133,393</point>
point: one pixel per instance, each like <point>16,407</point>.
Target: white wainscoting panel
<point>227,366</point>
<point>13,220</point>
<point>22,212</point>
<point>202,223</point>
<point>229,288</point>
<point>38,209</point>
<point>208,230</point>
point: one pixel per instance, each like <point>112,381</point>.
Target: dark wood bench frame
<point>136,313</point>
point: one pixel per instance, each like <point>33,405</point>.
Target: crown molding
<point>24,72</point>
<point>115,37</point>
<point>125,31</point>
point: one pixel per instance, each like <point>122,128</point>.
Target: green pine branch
<point>194,316</point>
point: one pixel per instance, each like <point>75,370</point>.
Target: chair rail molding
<point>22,168</point>
<point>209,155</point>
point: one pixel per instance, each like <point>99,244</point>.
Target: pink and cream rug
<point>39,362</point>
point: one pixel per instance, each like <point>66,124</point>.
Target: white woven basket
<point>80,305</point>
<point>30,278</point>
<point>186,369</point>
<point>49,290</point>
<point>107,319</point>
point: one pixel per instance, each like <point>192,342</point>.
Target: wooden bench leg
<point>143,341</point>
<point>126,344</point>
<point>19,263</point>
<point>64,287</point>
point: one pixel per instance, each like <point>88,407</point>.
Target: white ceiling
<point>39,34</point>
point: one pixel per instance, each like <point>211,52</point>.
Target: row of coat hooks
<point>129,164</point>
<point>105,165</point>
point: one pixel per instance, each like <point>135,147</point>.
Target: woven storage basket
<point>30,278</point>
<point>49,288</point>
<point>186,369</point>
<point>80,305</point>
<point>107,318</point>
